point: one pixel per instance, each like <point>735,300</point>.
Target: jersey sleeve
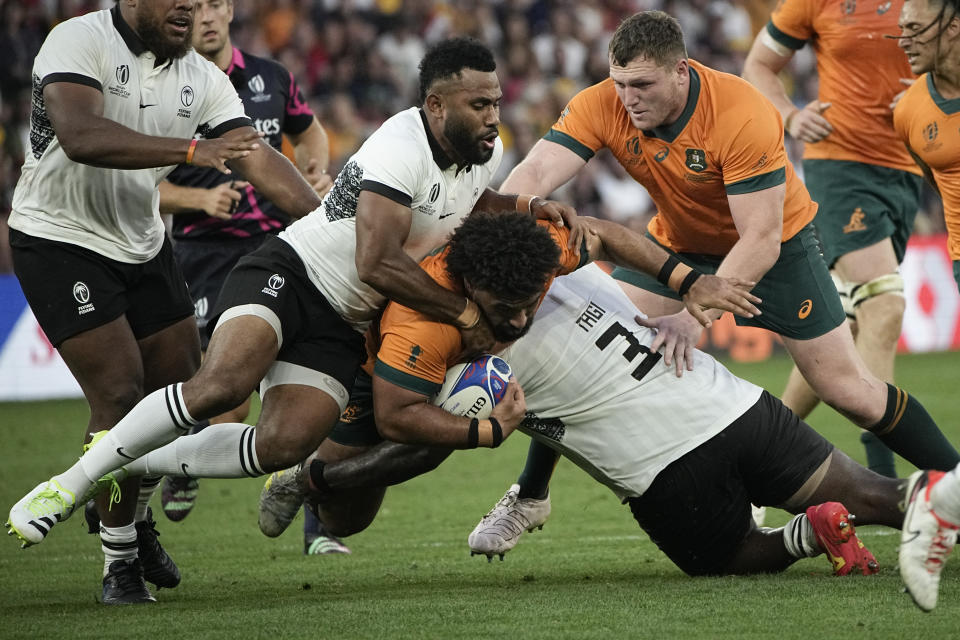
<point>222,109</point>
<point>752,155</point>
<point>580,125</point>
<point>72,52</point>
<point>569,260</point>
<point>791,23</point>
<point>297,115</point>
<point>387,169</point>
<point>415,350</point>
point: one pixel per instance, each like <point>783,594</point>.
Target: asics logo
<point>123,455</point>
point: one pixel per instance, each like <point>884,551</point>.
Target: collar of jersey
<point>238,66</point>
<point>439,155</point>
<point>670,132</point>
<point>130,37</point>
<point>949,107</point>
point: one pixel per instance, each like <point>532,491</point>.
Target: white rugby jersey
<point>596,394</point>
<point>114,212</point>
<point>404,162</point>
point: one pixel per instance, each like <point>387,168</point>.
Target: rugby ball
<point>473,389</point>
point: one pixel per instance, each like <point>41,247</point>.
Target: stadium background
<point>358,63</point>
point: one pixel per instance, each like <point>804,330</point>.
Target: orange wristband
<point>191,150</point>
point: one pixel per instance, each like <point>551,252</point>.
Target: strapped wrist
<point>469,317</point>
<point>525,203</point>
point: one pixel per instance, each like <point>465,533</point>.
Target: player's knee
<point>283,448</point>
<point>113,400</point>
<point>879,305</point>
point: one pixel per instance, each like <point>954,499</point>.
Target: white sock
<point>148,486</point>
<point>799,538</point>
<point>118,543</point>
<point>945,497</point>
<point>156,420</point>
<point>226,450</point>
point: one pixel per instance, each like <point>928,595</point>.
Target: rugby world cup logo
<point>123,74</point>
<point>256,84</point>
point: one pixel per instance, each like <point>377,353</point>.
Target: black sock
<point>879,457</point>
<point>535,480</point>
<point>909,431</point>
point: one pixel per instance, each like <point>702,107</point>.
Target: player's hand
<point>511,409</point>
<point>677,337</point>
<point>716,292</point>
<point>561,215</point>
<point>318,178</point>
<point>222,200</point>
<point>217,152</point>
<point>477,340</point>
<point>808,124</point>
<point>896,98</point>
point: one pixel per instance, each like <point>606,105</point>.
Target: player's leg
<point>205,266</point>
<point>834,369</point>
<point>798,395</point>
<point>783,462</point>
<point>930,528</point>
<point>877,297</point>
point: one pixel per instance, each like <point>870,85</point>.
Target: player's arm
<point>388,463</point>
<point>927,172</point>
<point>407,417</point>
<point>758,216</point>
<point>766,59</point>
<point>546,167</point>
<point>557,212</point>
<point>275,177</point>
<point>311,148</point>
<point>382,226</point>
<point>615,243</point>
<point>218,202</point>
<point>86,136</point>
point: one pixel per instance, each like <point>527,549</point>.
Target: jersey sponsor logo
<point>692,177</point>
<point>762,161</point>
<point>883,8</point>
<point>805,308</point>
<point>267,126</point>
<point>257,85</point>
<point>856,221</point>
<point>563,115</point>
<point>633,145</point>
<point>123,74</point>
<point>696,160</point>
<point>662,154</point>
<point>186,99</point>
<point>274,284</point>
<point>81,293</point>
<point>415,352</point>
<point>848,7</point>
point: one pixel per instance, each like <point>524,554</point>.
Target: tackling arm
<point>406,416</point>
<point>547,166</point>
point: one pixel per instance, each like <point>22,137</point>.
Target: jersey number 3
<point>634,349</point>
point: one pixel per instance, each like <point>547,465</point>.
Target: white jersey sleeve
<point>222,108</point>
<point>72,48</point>
<point>597,394</point>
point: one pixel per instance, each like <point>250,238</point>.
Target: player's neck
<point>224,57</point>
<point>946,78</point>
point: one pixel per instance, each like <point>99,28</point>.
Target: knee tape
<point>889,283</point>
<point>843,288</point>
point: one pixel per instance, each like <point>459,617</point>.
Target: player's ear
<point>434,105</point>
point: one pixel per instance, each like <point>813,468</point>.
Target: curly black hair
<point>449,57</point>
<point>506,254</point>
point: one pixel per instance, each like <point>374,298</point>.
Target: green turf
<point>591,573</point>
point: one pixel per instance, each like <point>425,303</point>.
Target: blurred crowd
<point>357,61</point>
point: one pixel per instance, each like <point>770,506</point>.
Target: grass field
<point>591,573</point>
